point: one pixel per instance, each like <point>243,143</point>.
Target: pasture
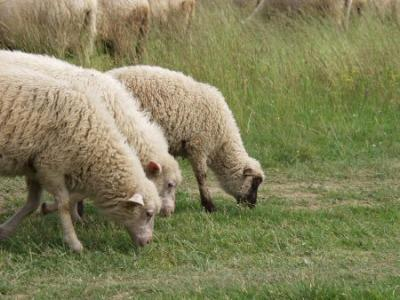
<point>318,106</point>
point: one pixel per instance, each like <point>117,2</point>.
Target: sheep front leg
<point>200,171</point>
<point>32,203</point>
<point>63,203</point>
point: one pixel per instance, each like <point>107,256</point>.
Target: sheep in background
<point>244,3</point>
<point>172,13</point>
<point>65,143</point>
<point>49,26</point>
<point>123,26</point>
<point>386,8</point>
<point>198,125</point>
<point>332,8</point>
<point>145,137</point>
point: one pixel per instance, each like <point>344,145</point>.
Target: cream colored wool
<point>386,8</point>
<point>66,143</point>
<point>54,25</point>
<point>174,13</point>
<point>144,136</point>
<point>332,8</point>
<point>124,25</point>
<point>199,125</point>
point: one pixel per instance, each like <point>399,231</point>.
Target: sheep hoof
<point>209,207</point>
<point>76,246</point>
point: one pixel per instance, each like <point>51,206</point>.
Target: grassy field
<point>319,107</point>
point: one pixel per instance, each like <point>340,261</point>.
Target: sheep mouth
<point>250,199</point>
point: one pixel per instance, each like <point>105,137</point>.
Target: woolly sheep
<point>353,7</point>
<point>172,12</point>
<point>123,25</point>
<point>332,8</point>
<point>53,26</point>
<point>142,135</point>
<point>65,143</point>
<point>386,8</point>
<point>198,125</point>
<point>243,3</point>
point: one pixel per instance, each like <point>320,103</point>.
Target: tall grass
<point>306,95</point>
<point>302,91</point>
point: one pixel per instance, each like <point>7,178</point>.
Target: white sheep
<point>386,8</point>
<point>172,13</point>
<point>66,143</point>
<point>144,136</point>
<point>198,125</point>
<point>123,25</point>
<point>47,25</point>
<point>332,8</point>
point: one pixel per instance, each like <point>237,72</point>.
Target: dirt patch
<point>314,206</point>
<point>311,193</point>
<point>328,193</point>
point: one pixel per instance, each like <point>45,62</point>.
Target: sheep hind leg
<point>32,203</point>
<point>76,208</point>
<point>200,171</point>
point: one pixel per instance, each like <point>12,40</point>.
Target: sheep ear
<point>154,168</point>
<point>249,172</point>
<point>136,199</point>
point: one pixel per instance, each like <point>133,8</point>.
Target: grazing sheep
<point>47,25</point>
<point>142,135</point>
<point>332,8</point>
<point>66,143</point>
<point>123,26</point>
<point>243,3</point>
<point>198,125</point>
<point>172,13</point>
<point>387,8</point>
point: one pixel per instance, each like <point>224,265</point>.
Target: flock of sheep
<point>113,137</point>
<point>75,26</point>
<point>338,10</point>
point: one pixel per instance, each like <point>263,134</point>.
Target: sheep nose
<point>144,241</point>
<point>167,211</point>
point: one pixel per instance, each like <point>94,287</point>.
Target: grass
<point>318,106</point>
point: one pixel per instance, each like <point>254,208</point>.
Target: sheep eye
<point>171,185</point>
<point>149,214</point>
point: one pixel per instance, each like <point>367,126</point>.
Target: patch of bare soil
<point>313,195</point>
<point>309,193</point>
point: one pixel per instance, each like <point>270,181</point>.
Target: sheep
<point>66,143</point>
<point>123,25</point>
<point>332,8</point>
<point>199,126</point>
<point>146,137</point>
<point>50,26</point>
<point>386,8</point>
<point>172,13</point>
<point>244,3</point>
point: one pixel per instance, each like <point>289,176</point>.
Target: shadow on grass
<point>44,233</point>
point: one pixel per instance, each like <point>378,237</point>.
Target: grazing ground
<point>319,107</point>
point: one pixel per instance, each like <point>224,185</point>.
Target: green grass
<point>318,106</point>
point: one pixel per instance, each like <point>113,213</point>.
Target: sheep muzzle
<point>251,197</point>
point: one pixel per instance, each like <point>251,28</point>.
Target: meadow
<point>318,106</point>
